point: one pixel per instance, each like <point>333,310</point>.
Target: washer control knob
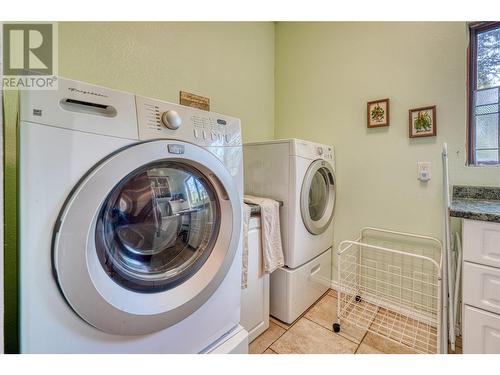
<point>320,151</point>
<point>171,119</point>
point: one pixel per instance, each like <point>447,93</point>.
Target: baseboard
<point>334,285</point>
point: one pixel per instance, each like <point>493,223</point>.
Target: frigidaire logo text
<point>72,89</point>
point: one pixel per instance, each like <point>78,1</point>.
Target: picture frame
<point>377,113</point>
<point>422,122</point>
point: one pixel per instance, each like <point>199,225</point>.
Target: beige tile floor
<point>312,334</point>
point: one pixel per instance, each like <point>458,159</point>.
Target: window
<point>484,93</point>
<point>196,193</point>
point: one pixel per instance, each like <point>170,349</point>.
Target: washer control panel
<point>326,152</point>
<point>211,128</point>
<point>312,150</point>
<point>157,119</point>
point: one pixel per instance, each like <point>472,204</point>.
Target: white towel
<point>272,249</point>
<point>244,266</point>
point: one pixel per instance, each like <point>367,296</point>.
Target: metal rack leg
<point>336,327</point>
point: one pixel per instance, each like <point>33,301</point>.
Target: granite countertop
<point>476,203</point>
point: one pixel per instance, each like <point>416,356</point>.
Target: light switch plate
<point>424,170</point>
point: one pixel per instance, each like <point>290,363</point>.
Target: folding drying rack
<point>390,285</point>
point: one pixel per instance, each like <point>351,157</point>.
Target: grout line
<point>305,312</point>
<point>279,323</point>
<point>277,338</point>
<point>356,351</point>
<point>336,298</point>
<point>354,342</point>
<point>363,339</point>
<point>268,347</point>
<point>296,320</point>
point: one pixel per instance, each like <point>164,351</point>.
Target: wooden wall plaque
<point>193,100</point>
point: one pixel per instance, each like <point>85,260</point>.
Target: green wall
<point>232,63</point>
<point>10,101</point>
<point>325,75</point>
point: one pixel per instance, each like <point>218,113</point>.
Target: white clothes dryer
<point>301,174</point>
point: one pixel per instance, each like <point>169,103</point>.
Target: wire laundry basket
<point>390,285</point>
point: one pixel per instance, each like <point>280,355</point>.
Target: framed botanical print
<point>378,113</point>
<point>422,122</point>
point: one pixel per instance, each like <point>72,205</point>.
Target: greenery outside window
<point>484,94</point>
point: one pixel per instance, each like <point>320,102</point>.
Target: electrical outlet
<point>424,170</point>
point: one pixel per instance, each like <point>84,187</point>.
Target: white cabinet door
<point>482,332</point>
<point>481,242</point>
<point>255,297</point>
<point>481,287</point>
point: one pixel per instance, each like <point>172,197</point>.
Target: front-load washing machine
<point>301,174</point>
<point>130,224</point>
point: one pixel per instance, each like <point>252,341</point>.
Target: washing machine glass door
<point>317,200</point>
<point>157,226</point>
<point>147,236</point>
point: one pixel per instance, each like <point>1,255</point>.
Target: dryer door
<point>147,237</point>
<point>317,200</point>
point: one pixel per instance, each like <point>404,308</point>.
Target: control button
<point>171,119</point>
<point>221,121</point>
<point>195,132</point>
<point>320,151</point>
<point>175,149</point>
<point>197,121</point>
